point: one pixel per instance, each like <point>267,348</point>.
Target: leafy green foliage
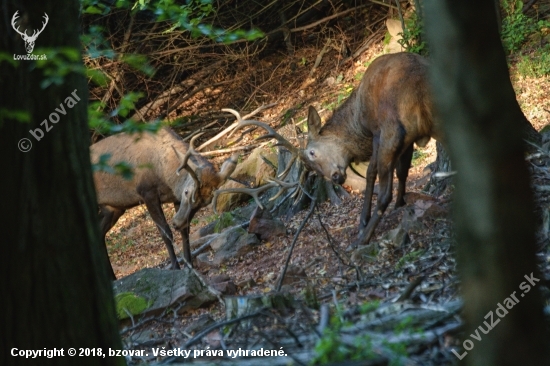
<point>536,64</point>
<point>59,62</point>
<point>17,115</point>
<point>412,35</point>
<point>409,257</point>
<point>516,26</point>
<point>418,157</point>
<point>225,220</point>
<point>121,168</point>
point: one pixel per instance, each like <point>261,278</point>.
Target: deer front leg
<point>386,157</point>
<point>108,217</point>
<point>185,237</point>
<point>153,204</point>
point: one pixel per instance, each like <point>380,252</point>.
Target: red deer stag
<point>389,111</point>
<point>158,160</point>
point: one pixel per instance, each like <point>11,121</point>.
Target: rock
<point>202,322</point>
<point>410,221</point>
<point>397,237</point>
<point>253,170</point>
<point>239,215</point>
<point>228,236</point>
<point>237,245</point>
<point>365,253</point>
<point>223,284</point>
<point>293,274</point>
<point>353,180</point>
<point>263,225</point>
<point>394,29</point>
<point>233,242</point>
<point>246,283</point>
<point>226,288</point>
<point>202,260</point>
<point>161,289</point>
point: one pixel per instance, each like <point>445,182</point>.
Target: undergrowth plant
<point>412,40</point>
<point>518,28</point>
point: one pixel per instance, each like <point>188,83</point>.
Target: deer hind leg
<point>185,237</point>
<point>153,204</point>
<point>108,216</point>
<point>402,172</point>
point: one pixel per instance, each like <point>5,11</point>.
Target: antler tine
<point>271,133</point>
<point>254,192</point>
<point>233,112</point>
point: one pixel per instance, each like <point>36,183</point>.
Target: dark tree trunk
<point>493,202</point>
<point>54,285</point>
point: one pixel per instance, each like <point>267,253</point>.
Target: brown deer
<point>389,111</point>
<point>158,160</point>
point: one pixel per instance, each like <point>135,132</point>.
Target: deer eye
<point>311,153</point>
<point>186,192</point>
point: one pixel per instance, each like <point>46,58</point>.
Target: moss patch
<point>128,302</point>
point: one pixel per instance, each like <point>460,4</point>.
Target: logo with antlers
<point>29,40</point>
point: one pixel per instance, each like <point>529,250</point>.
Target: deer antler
<point>255,192</point>
<point>271,132</point>
<point>273,182</point>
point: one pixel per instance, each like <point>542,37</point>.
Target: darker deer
<point>162,174</point>
<point>389,111</point>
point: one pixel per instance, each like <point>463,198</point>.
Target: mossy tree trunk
<point>493,202</point>
<point>55,289</point>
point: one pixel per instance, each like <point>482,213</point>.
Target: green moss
<point>128,302</point>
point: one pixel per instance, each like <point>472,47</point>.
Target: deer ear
<point>228,167</point>
<point>313,122</point>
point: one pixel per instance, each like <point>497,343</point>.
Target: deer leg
<point>372,172</point>
<point>153,204</point>
<point>108,216</point>
<point>386,160</point>
<point>402,171</point>
<point>185,237</point>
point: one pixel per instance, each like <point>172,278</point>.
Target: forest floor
<point>134,243</point>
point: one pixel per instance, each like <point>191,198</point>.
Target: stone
<point>164,288</point>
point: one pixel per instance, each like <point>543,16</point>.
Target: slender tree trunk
<point>54,285</point>
<point>493,202</point>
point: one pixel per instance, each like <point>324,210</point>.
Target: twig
<point>527,6</point>
<point>337,253</point>
<point>285,267</point>
<point>326,19</point>
<point>410,288</point>
<point>320,56</point>
<point>210,328</point>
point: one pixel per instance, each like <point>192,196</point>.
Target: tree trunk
<point>493,202</point>
<point>55,289</point>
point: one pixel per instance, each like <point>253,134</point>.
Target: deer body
<point>155,159</point>
<point>389,111</point>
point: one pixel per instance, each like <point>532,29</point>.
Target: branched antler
<point>271,132</point>
<point>255,192</point>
